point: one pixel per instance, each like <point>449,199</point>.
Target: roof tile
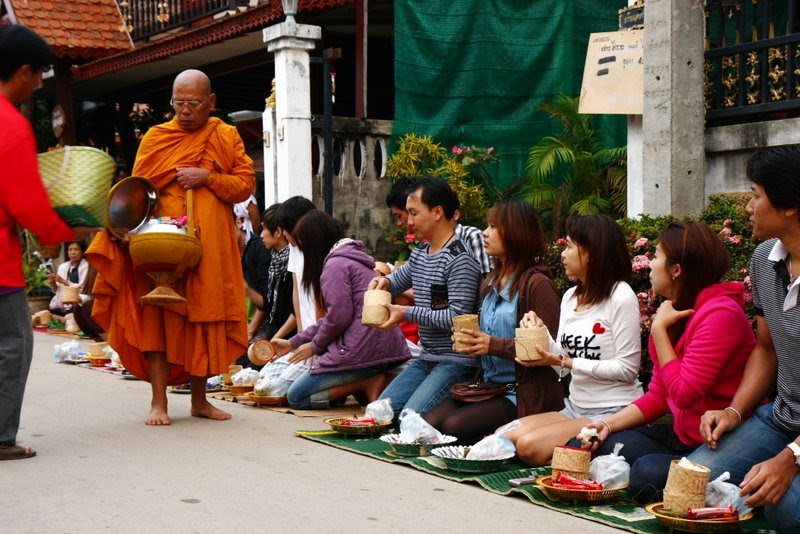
<point>78,28</point>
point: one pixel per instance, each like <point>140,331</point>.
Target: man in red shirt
<point>24,56</point>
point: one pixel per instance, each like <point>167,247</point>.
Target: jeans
<point>16,353</point>
<point>649,449</point>
<point>423,385</point>
<point>310,392</point>
<point>756,440</point>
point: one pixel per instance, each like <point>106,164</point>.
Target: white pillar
<point>270,157</point>
<point>635,168</point>
<point>291,42</point>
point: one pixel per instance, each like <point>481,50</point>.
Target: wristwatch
<point>795,448</point>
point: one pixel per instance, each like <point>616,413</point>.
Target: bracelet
<point>607,426</point>
<point>734,410</point>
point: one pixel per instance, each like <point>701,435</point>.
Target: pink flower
<point>641,263</point>
<point>727,222</point>
<point>735,240</point>
<point>490,150</point>
<point>744,270</point>
<point>409,238</point>
<point>456,149</point>
<point>641,242</point>
<point>725,232</point>
<point>561,242</point>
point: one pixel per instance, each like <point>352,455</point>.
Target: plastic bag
<point>415,429</point>
<point>71,350</point>
<point>272,386</point>
<point>496,446</point>
<point>380,410</point>
<point>610,470</point>
<point>245,377</point>
<point>721,493</point>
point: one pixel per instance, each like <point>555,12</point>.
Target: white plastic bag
<point>245,377</point>
<point>721,493</point>
<point>380,410</point>
<point>415,429</point>
<point>71,350</point>
<point>496,446</point>
<point>272,386</point>
<point>610,470</point>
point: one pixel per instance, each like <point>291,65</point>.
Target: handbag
<point>478,391</point>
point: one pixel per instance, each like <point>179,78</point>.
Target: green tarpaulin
<point>474,71</point>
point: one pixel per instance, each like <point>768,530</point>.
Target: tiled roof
<point>75,28</point>
<point>227,28</point>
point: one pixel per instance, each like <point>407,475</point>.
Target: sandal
<point>10,451</point>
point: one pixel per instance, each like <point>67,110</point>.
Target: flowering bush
<point>726,214</point>
<point>403,242</point>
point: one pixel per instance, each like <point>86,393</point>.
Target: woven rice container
<point>374,312</point>
<point>571,461</point>
<point>526,340</point>
<point>96,349</point>
<point>469,321</point>
<point>70,295</point>
<point>686,486</point>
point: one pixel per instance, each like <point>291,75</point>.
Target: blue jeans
<point>756,440</point>
<point>310,392</point>
<point>649,449</point>
<point>16,353</point>
<point>423,385</point>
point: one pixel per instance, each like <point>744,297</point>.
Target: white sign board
<point>613,76</point>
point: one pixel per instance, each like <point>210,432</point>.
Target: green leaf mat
<point>622,513</point>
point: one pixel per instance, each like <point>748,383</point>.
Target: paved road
<point>100,469</point>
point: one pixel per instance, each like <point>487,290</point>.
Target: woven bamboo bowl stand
<point>166,257</point>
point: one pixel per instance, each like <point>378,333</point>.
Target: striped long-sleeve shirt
<point>445,284</point>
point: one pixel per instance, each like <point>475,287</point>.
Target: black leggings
<point>471,421</point>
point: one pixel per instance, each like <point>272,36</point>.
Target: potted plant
<point>36,268</point>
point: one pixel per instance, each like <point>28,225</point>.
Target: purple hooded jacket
<point>339,340</point>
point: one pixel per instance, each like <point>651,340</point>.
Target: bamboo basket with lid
<point>686,486</point>
<point>571,461</point>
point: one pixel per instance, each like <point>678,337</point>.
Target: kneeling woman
<point>517,283</point>
<point>349,358</point>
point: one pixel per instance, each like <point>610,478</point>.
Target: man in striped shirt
<point>445,278</point>
<point>763,453</point>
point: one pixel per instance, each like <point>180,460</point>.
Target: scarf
<point>277,273</point>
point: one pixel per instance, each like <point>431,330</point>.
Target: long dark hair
<point>316,232</point>
<point>703,260</point>
<point>518,226</point>
<point>609,258</point>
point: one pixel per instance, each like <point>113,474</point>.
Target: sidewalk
<point>100,469</point>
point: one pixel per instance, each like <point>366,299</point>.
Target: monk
<point>192,341</point>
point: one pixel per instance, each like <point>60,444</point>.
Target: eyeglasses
<point>178,105</point>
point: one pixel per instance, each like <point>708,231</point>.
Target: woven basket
<point>571,461</point>
<point>240,390</point>
<point>526,340</point>
<point>77,179</point>
<point>685,488</point>
<point>576,495</point>
<point>260,352</point>
<point>374,313</point>
<point>469,321</point>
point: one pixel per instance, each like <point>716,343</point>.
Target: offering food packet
<point>71,350</point>
<point>610,470</point>
<point>380,410</point>
<point>588,435</point>
<point>720,493</point>
<point>415,429</point>
<point>496,446</point>
<point>245,377</point>
<point>271,386</point>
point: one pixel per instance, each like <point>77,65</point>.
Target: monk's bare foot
<point>158,417</point>
<point>209,411</point>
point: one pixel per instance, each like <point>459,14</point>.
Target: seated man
<point>445,279</point>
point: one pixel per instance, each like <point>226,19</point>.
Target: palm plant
<point>572,172</point>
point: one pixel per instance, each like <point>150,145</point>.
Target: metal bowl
<point>130,204</point>
<point>455,458</point>
<point>414,449</point>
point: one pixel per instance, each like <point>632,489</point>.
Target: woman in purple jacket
<point>349,358</point>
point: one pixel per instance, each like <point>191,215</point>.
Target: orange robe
<point>203,336</point>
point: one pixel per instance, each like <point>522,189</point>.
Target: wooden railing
<point>146,18</point>
<point>752,60</point>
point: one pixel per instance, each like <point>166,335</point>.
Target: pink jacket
<point>712,354</point>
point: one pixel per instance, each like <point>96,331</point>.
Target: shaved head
<point>192,99</point>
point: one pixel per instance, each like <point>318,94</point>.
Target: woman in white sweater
<point>598,341</point>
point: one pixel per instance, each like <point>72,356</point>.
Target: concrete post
<point>291,42</point>
<point>673,121</point>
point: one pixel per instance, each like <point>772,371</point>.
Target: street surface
<point>100,469</point>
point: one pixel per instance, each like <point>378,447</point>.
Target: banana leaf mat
<point>622,513</point>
